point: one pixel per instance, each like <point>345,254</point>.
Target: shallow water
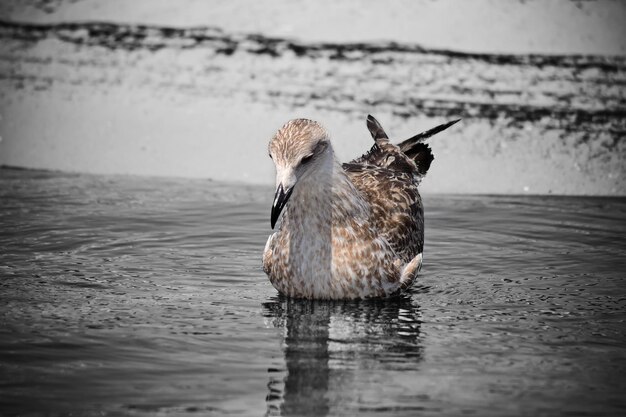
<point>143,296</point>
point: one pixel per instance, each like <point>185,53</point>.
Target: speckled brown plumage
<point>348,231</point>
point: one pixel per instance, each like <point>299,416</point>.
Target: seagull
<point>348,231</point>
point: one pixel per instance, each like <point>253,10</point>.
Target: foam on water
<point>124,295</point>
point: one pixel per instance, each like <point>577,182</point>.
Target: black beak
<point>280,199</point>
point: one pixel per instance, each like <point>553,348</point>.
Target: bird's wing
<point>397,211</point>
<point>388,176</point>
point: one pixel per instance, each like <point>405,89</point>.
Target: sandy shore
<point>540,88</point>
<point>493,26</point>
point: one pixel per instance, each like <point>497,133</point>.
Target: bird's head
<point>297,149</point>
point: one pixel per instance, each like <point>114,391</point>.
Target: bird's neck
<point>323,206</point>
<point>324,198</point>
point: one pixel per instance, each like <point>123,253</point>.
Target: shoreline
<point>269,188</point>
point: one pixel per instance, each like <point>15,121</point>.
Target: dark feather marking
<point>422,155</point>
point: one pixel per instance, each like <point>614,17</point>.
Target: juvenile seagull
<point>348,231</point>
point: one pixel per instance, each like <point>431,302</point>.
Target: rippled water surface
<point>143,296</point>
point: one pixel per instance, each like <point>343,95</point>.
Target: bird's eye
<point>270,155</point>
<point>306,159</point>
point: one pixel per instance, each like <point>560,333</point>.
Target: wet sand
<point>186,91</point>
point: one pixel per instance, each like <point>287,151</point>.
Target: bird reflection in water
<point>332,348</point>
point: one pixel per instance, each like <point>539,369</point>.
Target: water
<point>142,296</point>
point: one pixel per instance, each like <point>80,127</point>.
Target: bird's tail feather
<point>408,145</point>
<point>376,130</point>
